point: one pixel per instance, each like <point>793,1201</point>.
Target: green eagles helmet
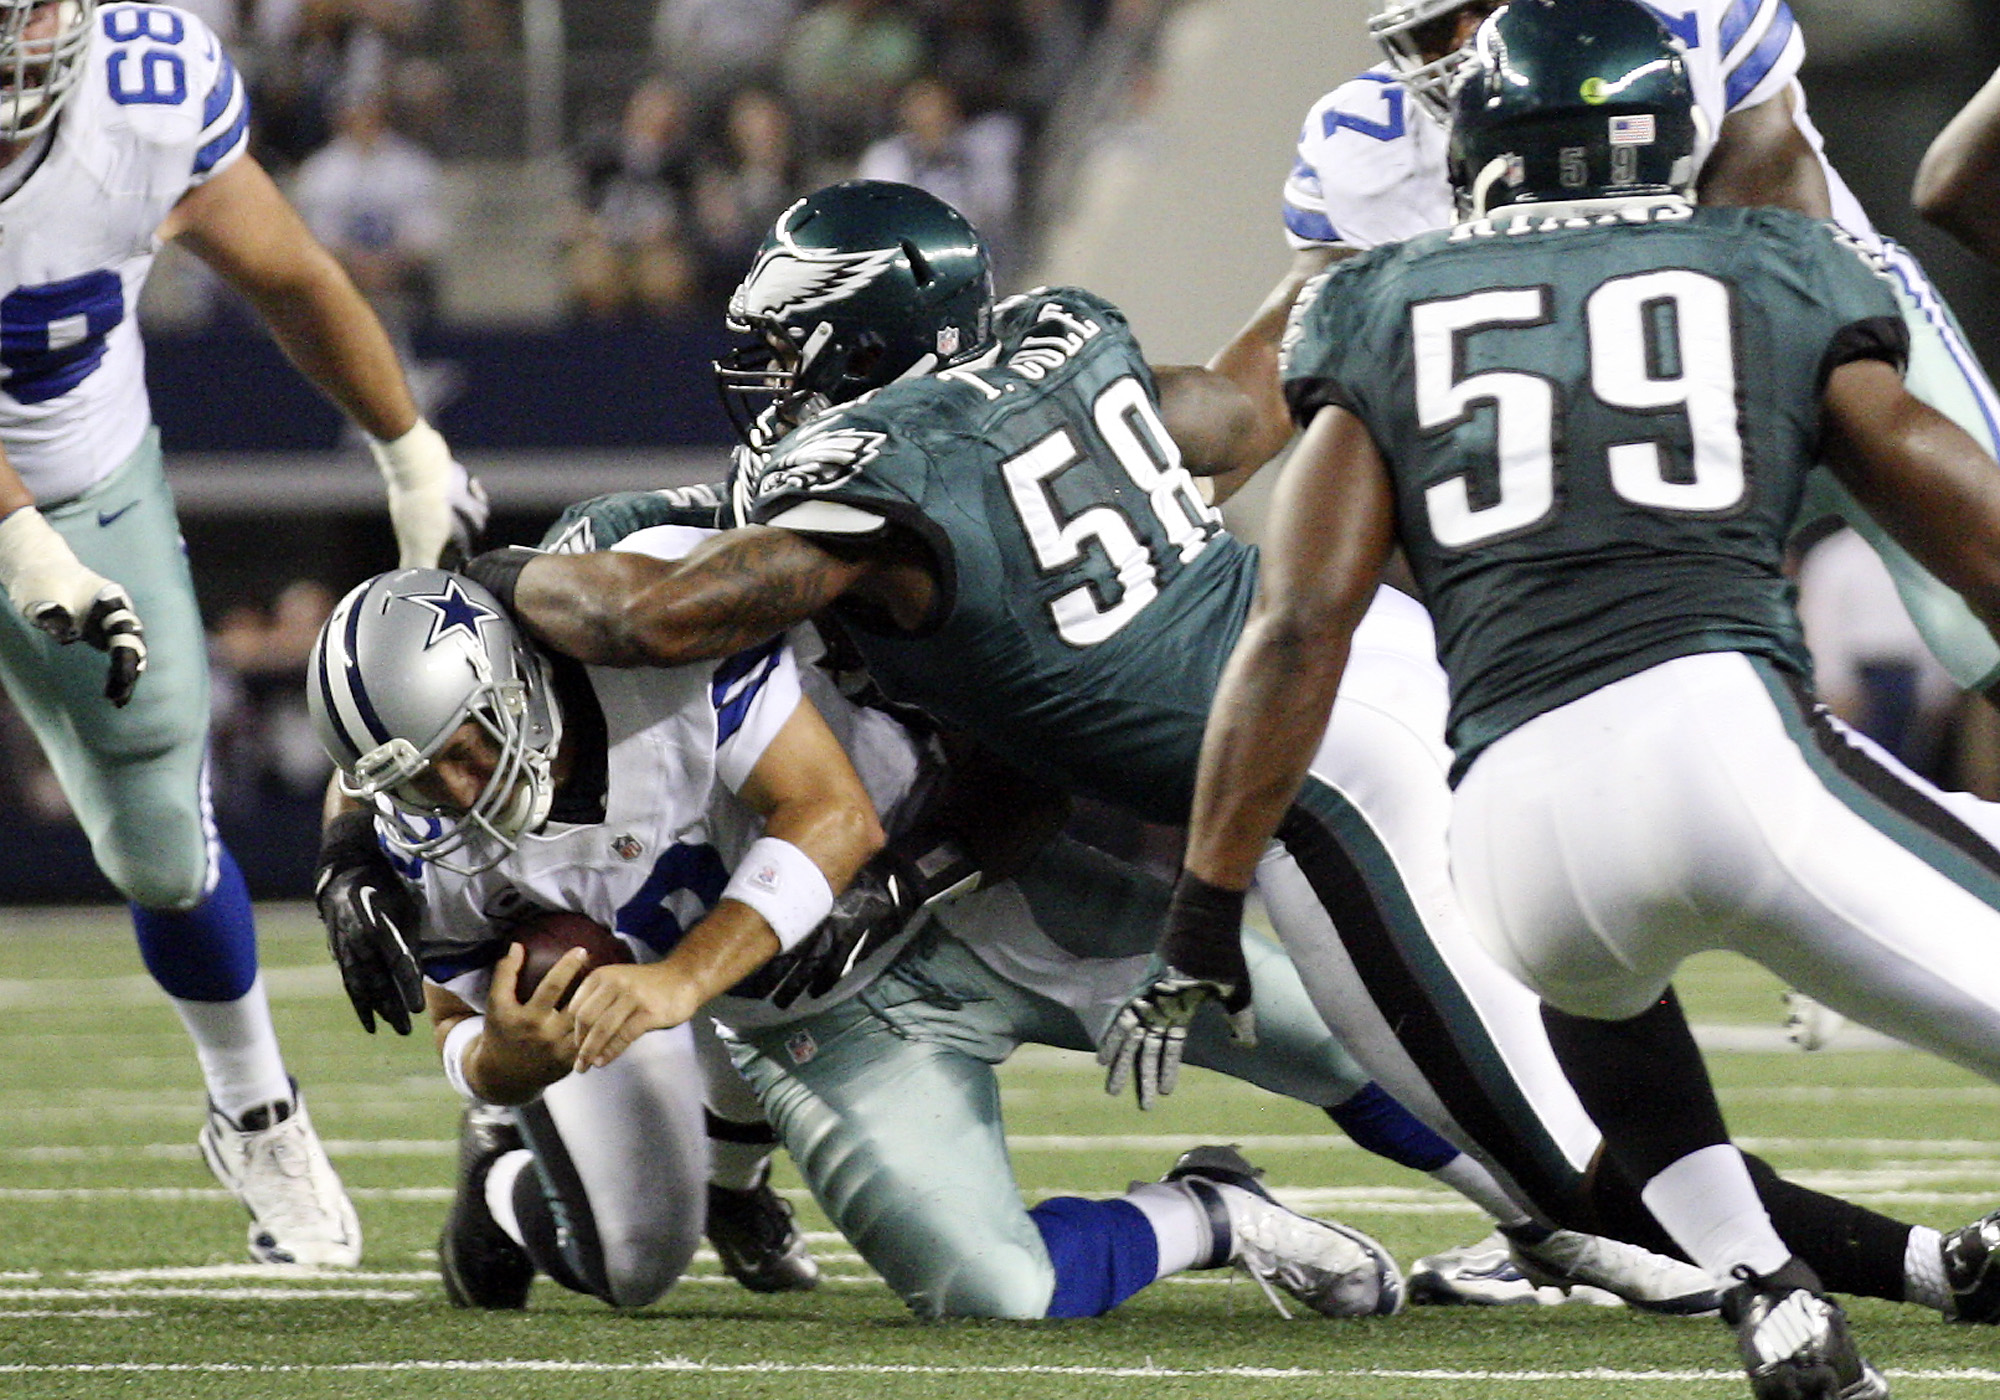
<point>1565,100</point>
<point>859,284</point>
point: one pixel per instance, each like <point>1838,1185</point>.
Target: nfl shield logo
<point>627,847</point>
<point>947,341</point>
<point>801,1047</point>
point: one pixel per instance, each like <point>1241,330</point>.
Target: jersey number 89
<point>1130,427</point>
<point>1622,317</point>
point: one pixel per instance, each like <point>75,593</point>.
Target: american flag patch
<point>1632,129</point>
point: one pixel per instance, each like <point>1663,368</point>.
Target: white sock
<point>500,1179</point>
<point>1923,1271</point>
<point>1180,1224</point>
<point>1708,1203</point>
<point>238,1050</point>
<point>1472,1181</point>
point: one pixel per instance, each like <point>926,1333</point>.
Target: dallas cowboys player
<point>1370,170</point>
<point>631,795</point>
<point>1586,415</point>
<point>121,126</point>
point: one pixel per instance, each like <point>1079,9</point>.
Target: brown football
<point>548,935</point>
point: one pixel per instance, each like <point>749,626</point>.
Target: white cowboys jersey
<point>682,741</point>
<point>1370,165</point>
<point>158,110</point>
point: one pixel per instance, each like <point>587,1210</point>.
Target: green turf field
<point>122,1268</point>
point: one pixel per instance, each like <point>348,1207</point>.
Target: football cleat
<point>758,1241</point>
<point>272,1162</point>
<point>1331,1268</point>
<point>481,1264</point>
<point>1972,1270</point>
<point>1479,1275</point>
<point>1794,1340</point>
<point>1644,1280</point>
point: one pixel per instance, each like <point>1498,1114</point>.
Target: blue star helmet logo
<point>455,612</point>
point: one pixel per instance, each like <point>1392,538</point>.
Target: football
<point>550,934</point>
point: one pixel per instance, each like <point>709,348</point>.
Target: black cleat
<point>481,1264</point>
<point>758,1241</point>
<point>1972,1270</point>
<point>1794,1340</point>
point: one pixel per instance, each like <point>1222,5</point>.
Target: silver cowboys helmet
<point>405,660</point>
<point>1404,29</point>
<point>37,73</point>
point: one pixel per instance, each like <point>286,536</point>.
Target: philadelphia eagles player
<point>1587,413</point>
<point>1369,169</point>
<point>1014,546</point>
<point>507,786</point>
<point>122,126</point>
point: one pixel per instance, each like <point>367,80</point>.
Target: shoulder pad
<point>168,80</point>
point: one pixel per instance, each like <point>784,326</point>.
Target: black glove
<point>113,627</point>
<point>1200,959</point>
<point>371,923</point>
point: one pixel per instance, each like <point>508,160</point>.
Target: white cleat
<point>1480,1275</point>
<point>1332,1268</point>
<point>1645,1280</point>
<point>1808,1024</point>
<point>273,1163</point>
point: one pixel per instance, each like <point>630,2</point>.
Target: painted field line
<point>688,1366</point>
<point>255,1295</point>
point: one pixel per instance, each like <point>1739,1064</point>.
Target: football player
<point>1587,414</point>
<point>1958,184</point>
<point>122,126</point>
<point>509,785</point>
<point>1370,169</point>
<point>989,499</point>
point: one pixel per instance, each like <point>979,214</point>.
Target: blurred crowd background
<point>549,203</point>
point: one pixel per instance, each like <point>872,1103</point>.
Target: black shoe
<point>1794,1340</point>
<point>758,1241</point>
<point>1972,1270</point>
<point>481,1264</point>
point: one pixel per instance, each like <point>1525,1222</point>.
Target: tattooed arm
<point>619,609</point>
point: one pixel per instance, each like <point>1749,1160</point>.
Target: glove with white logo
<point>434,503</point>
<point>371,923</point>
<point>1200,959</point>
<point>71,603</point>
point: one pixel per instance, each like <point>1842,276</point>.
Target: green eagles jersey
<point>1597,428</point>
<point>1087,595</point>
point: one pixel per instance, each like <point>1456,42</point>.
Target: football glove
<point>1200,959</point>
<point>371,923</point>
<point>434,503</point>
<point>469,511</point>
<point>71,603</point>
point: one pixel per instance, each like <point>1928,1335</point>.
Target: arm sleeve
<point>225,105</point>
<point>754,693</point>
<point>1762,49</point>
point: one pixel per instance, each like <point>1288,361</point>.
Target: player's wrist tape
<point>419,460</point>
<point>498,571</point>
<point>1204,929</point>
<point>457,1044</point>
<point>782,883</point>
<point>38,566</point>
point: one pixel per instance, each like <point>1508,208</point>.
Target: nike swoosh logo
<point>103,519</point>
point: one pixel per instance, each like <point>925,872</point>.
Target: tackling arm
<point>621,609</point>
<point>1761,157</point>
<point>813,803</point>
<point>1921,477</point>
<point>1958,184</point>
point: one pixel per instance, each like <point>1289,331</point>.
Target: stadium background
<point>1151,176</point>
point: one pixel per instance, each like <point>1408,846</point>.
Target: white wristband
<point>457,1042</point>
<point>39,570</point>
<point>780,881</point>
<point>418,468</point>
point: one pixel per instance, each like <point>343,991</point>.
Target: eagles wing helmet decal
<point>789,279</point>
<point>820,460</point>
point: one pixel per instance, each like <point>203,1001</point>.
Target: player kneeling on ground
<point>509,785</point>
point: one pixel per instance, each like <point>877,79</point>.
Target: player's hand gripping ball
<point>547,936</point>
